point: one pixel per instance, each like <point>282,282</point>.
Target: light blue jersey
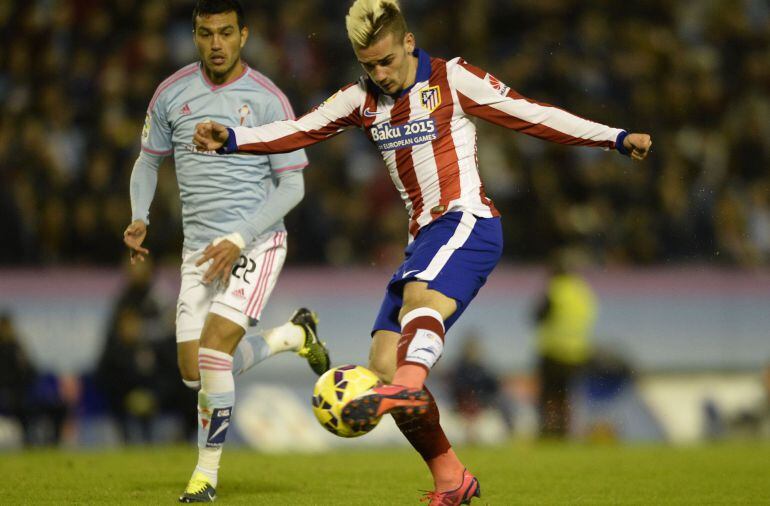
<point>219,194</point>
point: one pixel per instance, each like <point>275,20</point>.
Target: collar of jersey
<point>214,87</point>
<point>423,72</point>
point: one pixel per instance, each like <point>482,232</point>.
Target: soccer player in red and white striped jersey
<point>417,110</point>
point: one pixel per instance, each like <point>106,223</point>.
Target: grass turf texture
<point>509,474</point>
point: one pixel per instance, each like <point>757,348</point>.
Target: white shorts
<point>251,282</point>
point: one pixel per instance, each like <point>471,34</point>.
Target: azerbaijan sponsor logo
<point>389,137</point>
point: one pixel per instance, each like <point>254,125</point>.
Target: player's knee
<point>220,334</point>
<point>417,295</point>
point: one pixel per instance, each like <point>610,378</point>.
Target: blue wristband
<point>231,146</point>
<point>619,143</point>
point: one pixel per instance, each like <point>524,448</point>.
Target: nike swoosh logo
<point>371,114</point>
<point>221,429</point>
<point>407,273</point>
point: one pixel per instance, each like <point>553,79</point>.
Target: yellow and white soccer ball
<point>335,388</point>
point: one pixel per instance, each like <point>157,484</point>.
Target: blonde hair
<point>369,20</point>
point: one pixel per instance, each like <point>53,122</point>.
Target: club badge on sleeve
<point>146,127</point>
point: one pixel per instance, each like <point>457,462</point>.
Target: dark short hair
<point>208,7</point>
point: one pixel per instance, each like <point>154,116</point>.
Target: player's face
<point>219,43</point>
<point>389,62</point>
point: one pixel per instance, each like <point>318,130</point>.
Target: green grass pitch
<point>509,474</point>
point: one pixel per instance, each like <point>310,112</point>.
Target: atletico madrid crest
<point>430,98</point>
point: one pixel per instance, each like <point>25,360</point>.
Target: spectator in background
<point>475,388</point>
<point>139,294</point>
<point>16,377</point>
<point>128,372</point>
<point>137,370</point>
<point>565,320</point>
<point>35,400</point>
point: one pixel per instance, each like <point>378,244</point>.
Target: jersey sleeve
<point>338,113</point>
<point>144,179</point>
<point>155,146</point>
<point>156,133</point>
<point>290,188</point>
<point>279,109</point>
<point>482,95</point>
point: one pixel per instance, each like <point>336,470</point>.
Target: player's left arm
<point>484,96</point>
<point>224,251</point>
<point>286,171</point>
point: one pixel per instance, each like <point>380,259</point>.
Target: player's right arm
<point>156,146</point>
<point>341,111</point>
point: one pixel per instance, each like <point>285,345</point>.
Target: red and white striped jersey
<point>426,136</point>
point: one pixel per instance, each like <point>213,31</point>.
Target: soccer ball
<point>335,388</point>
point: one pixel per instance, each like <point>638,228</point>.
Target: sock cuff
<point>421,312</point>
<point>215,354</point>
<point>213,360</point>
<point>422,339</point>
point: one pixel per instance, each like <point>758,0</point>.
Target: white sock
<point>209,473</point>
<point>287,337</point>
<point>215,404</point>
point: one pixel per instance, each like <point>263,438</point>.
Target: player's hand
<point>638,145</point>
<point>210,136</point>
<point>223,255</point>
<point>133,237</point>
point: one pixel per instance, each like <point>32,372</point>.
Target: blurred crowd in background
<point>76,77</point>
<point>134,381</point>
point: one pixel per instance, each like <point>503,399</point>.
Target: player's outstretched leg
<point>425,434</point>
<point>299,335</point>
<point>418,348</point>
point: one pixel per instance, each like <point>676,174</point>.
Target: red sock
<point>424,432</point>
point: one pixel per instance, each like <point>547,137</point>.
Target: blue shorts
<point>454,255</point>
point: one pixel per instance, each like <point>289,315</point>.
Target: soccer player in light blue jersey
<point>234,237</point>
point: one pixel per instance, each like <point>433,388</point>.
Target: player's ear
<point>409,42</point>
<point>244,35</point>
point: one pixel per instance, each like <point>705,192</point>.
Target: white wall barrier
<point>660,319</point>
